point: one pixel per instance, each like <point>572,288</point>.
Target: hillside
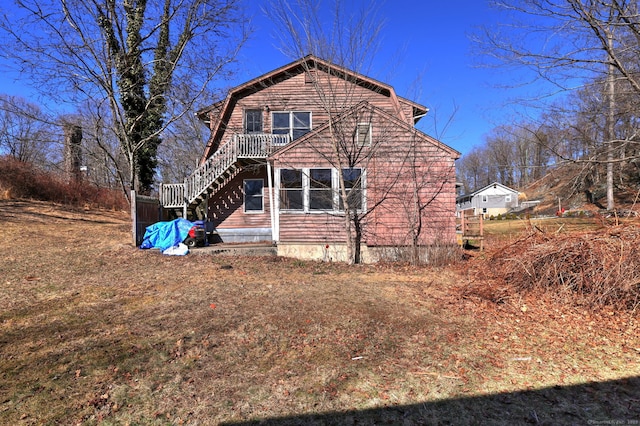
<point>563,186</point>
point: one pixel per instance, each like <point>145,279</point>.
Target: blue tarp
<point>163,235</point>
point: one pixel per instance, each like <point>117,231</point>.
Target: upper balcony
<point>258,145</point>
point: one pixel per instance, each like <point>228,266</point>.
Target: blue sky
<point>425,54</point>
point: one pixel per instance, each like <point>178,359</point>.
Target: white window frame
<point>244,195</point>
<point>362,188</point>
<point>245,121</point>
<point>306,189</point>
<point>281,188</point>
<point>507,198</point>
<point>291,122</point>
<point>330,190</point>
<point>485,198</point>
<point>368,136</point>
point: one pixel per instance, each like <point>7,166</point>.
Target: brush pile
<point>595,268</point>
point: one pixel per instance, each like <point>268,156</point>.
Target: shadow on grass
<point>599,403</point>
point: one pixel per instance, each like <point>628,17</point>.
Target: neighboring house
<point>492,200</point>
<point>271,170</point>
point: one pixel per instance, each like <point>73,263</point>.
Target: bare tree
<point>106,165</point>
<point>72,151</point>
<point>471,170</point>
<point>185,139</point>
<point>349,42</point>
<point>429,175</point>
<point>128,53</point>
<point>346,41</point>
<point>25,133</point>
<point>572,44</point>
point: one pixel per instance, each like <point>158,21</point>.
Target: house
<point>492,200</point>
<point>290,149</point>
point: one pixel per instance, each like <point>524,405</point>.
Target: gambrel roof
<point>225,107</point>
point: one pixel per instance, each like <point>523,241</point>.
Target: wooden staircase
<point>219,169</point>
<point>471,228</point>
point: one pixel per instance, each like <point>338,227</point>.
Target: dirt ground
<point>96,331</point>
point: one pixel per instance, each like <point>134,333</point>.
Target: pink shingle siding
<point>400,164</point>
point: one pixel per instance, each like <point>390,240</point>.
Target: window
<point>353,186</point>
<point>320,189</point>
<point>507,198</point>
<point>291,194</point>
<point>253,197</point>
<point>485,198</point>
<point>316,190</point>
<point>253,121</point>
<point>295,124</point>
<point>363,134</point>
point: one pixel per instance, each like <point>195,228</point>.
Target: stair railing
<point>240,146</point>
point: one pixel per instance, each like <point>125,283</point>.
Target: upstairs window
<point>253,121</point>
<point>293,123</point>
<point>507,198</point>
<point>363,134</point>
<point>485,198</point>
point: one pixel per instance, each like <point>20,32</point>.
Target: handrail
<point>239,146</point>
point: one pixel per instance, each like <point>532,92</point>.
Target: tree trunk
<point>610,124</point>
<point>72,151</point>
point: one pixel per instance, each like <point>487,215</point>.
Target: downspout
<point>272,212</point>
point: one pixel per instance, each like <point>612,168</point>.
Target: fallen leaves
<point>124,335</point>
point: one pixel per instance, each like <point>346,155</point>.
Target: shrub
<point>23,180</point>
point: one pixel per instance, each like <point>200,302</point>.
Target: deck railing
<point>239,146</point>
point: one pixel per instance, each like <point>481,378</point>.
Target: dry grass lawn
<point>95,331</point>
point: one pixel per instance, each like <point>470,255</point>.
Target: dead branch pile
<point>596,268</point>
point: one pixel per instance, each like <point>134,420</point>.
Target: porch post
<point>185,206</point>
<point>271,204</point>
